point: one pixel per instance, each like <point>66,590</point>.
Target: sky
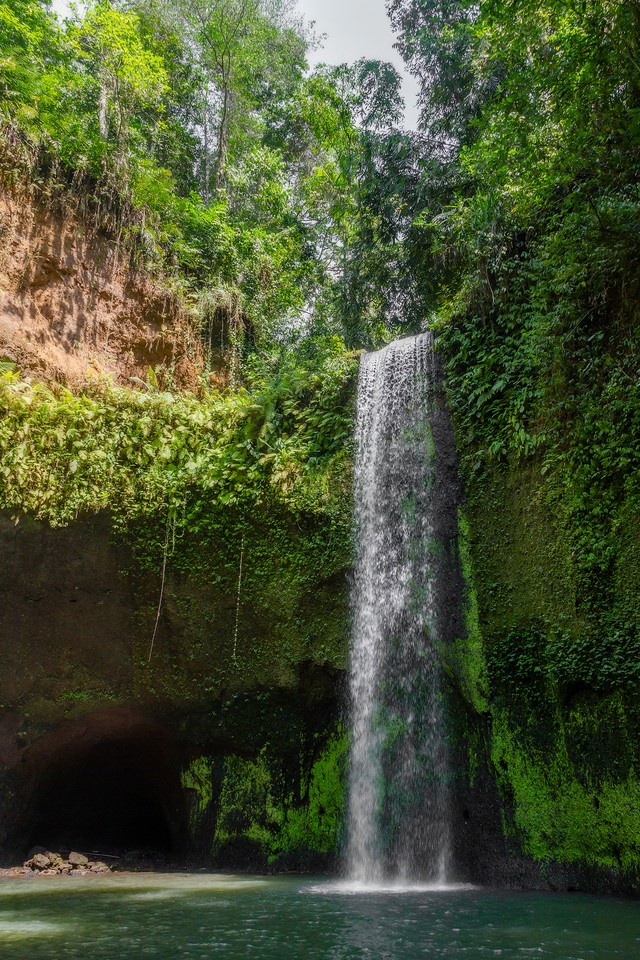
<point>355,29</point>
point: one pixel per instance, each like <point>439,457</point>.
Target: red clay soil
<point>72,308</point>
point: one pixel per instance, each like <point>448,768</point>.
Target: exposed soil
<point>72,307</point>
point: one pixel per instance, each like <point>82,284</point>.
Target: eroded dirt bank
<point>73,308</point>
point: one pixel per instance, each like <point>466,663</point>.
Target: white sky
<point>355,29</point>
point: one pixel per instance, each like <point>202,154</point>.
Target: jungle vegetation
<point>295,200</point>
<point>294,203</point>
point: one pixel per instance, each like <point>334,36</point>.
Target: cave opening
<point>110,792</point>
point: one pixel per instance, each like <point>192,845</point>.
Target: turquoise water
<point>195,917</point>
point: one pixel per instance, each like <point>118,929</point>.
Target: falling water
<point>398,825</point>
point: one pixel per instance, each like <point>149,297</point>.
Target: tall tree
<point>435,38</point>
<point>250,50</point>
<point>130,77</point>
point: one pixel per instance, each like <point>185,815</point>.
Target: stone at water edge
<point>49,864</point>
<point>40,862</point>
<point>35,850</point>
<point>78,859</point>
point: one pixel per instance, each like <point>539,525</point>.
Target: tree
<point>130,77</point>
<point>30,44</point>
<point>436,40</point>
<point>249,50</point>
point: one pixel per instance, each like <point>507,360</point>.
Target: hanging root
<point>235,635</point>
<point>171,523</point>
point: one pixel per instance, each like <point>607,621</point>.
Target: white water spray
<point>398,807</point>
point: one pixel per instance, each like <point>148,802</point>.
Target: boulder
<point>78,859</point>
<point>39,862</point>
<point>35,850</point>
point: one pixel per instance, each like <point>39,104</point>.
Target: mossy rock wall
<point>232,683</point>
<point>208,643</point>
<point>550,681</point>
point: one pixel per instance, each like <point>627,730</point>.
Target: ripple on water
<point>274,918</point>
<point>16,927</point>
<point>133,884</point>
<point>353,888</point>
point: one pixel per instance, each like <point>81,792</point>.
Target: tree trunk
<point>223,138</point>
<point>103,104</point>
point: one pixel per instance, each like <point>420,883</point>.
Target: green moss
<point>627,567</point>
<point>522,562</point>
<point>289,608</point>
<point>559,814</point>
<point>317,823</point>
<point>256,805</point>
<point>465,657</point>
<point>556,695</point>
<point>93,695</point>
<point>245,807</point>
<point>475,753</point>
<point>198,778</point>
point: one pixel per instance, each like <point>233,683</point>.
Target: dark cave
<point>109,791</point>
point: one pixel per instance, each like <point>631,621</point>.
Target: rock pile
<point>48,864</point>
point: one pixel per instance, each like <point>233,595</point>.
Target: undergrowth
<point>140,454</point>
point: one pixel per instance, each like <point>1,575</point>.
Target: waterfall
<point>398,823</point>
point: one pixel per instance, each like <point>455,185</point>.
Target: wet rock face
<point>66,624</point>
<point>118,785</point>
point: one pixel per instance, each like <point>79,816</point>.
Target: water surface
<point>200,916</point>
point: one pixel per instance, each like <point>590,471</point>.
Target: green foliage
<point>212,155</point>
<point>293,204</point>
<point>250,50</point>
<point>544,662</point>
<point>130,77</point>
<point>119,103</point>
<point>197,777</point>
<point>530,222</point>
<point>435,39</point>
<point>465,656</point>
<point>29,42</point>
<point>561,714</point>
<point>145,454</point>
